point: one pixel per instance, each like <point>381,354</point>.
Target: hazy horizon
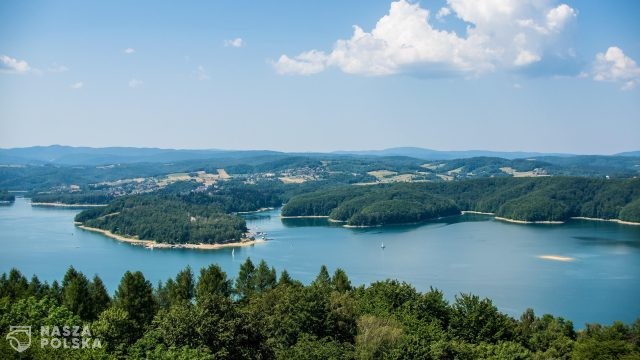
<point>319,151</point>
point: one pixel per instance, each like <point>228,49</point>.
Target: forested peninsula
<point>548,199</point>
<point>170,220</point>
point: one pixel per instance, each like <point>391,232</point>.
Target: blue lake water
<point>469,253</point>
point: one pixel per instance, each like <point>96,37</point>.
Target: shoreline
<point>152,244</point>
<point>255,211</point>
<point>528,222</point>
<point>463,212</point>
<point>556,258</point>
<point>57,204</point>
<point>305,217</point>
<point>623,222</point>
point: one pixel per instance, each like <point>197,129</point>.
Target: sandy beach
<point>304,217</point>
<point>528,222</point>
<point>556,258</point>
<point>475,212</point>
<point>65,205</point>
<point>610,220</point>
<point>336,221</point>
<point>255,211</point>
<point>157,245</point>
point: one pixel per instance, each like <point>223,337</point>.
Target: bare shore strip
<point>556,258</point>
<point>476,212</point>
<point>610,220</point>
<point>55,204</point>
<point>151,244</point>
<point>463,212</point>
<point>304,217</point>
<point>528,222</point>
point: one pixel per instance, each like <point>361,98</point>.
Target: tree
<point>340,281</point>
<point>212,281</point>
<point>376,336</point>
<point>475,320</point>
<point>36,288</point>
<point>432,306</point>
<point>323,280</point>
<point>161,294</point>
<point>341,317</point>
<point>285,278</point>
<point>183,288</point>
<point>265,278</point>
<point>75,294</point>
<point>245,283</point>
<point>115,328</point>
<point>99,296</point>
<point>55,291</point>
<point>15,286</point>
<point>135,296</point>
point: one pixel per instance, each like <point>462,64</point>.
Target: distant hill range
<point>68,155</point>
<point>428,154</point>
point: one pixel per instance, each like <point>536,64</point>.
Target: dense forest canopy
<point>166,219</point>
<point>260,315</point>
<point>527,199</point>
<point>81,198</point>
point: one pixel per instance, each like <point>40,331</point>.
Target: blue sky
<point>288,75</point>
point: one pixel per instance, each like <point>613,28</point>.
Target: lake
<point>469,253</point>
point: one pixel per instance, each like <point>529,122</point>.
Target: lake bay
<point>470,254</point>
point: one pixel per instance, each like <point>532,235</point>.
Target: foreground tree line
<point>260,315</point>
<point>527,199</point>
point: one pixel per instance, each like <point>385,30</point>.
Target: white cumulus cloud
<point>134,83</point>
<point>13,65</point>
<point>129,50</point>
<point>237,42</point>
<point>614,66</point>
<point>507,34</point>
<point>78,85</point>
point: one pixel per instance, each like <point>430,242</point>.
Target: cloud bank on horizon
<point>523,35</point>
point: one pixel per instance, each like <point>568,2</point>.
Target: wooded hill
<point>165,219</point>
<point>526,199</point>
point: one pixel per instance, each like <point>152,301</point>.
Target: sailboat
<point>382,245</point>
<point>233,252</point>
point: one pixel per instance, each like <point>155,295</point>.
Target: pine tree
<point>265,278</point>
<point>135,296</point>
<point>285,278</point>
<point>183,287</point>
<point>75,294</point>
<point>212,281</point>
<point>100,299</point>
<point>340,281</point>
<point>245,283</point>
